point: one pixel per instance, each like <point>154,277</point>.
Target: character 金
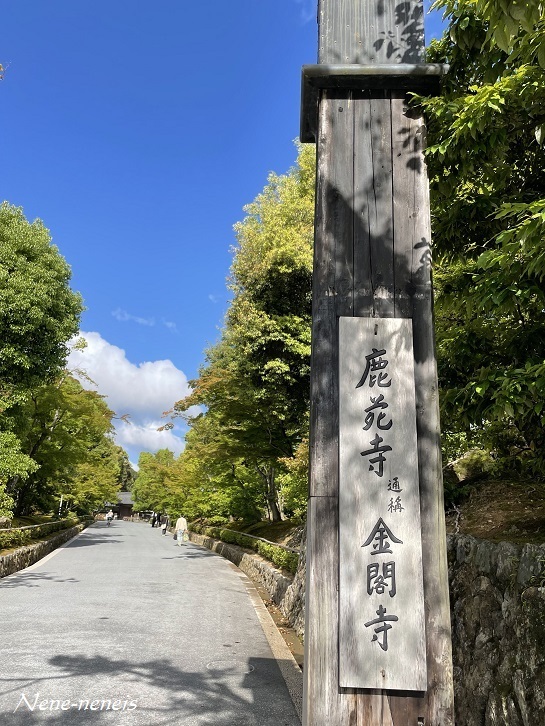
<point>380,535</point>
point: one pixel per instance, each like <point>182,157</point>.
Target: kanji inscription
<point>381,629</point>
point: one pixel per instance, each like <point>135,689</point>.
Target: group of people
<point>181,531</point>
<point>160,520</point>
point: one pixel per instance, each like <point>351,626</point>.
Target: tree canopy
<point>55,436</point>
<point>486,160</point>
<point>254,385</point>
<point>486,163</point>
<point>247,447</point>
<point>39,313</point>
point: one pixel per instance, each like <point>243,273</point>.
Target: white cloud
<point>308,10</point>
<point>123,316</point>
<point>147,437</point>
<point>142,391</point>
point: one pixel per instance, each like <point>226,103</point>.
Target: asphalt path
<point>123,627</point>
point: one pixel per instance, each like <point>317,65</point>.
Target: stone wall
<point>498,630</point>
<point>259,570</point>
<point>28,555</point>
<point>293,602</point>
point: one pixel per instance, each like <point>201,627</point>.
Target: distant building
<point>124,505</point>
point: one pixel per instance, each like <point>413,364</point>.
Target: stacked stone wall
<point>498,632</point>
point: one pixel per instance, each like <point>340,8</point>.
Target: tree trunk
<point>272,495</point>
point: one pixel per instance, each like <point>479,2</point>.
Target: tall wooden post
<point>372,261</point>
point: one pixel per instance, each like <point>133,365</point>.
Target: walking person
<point>164,524</point>
<point>181,530</point>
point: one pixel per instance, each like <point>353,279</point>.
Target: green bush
<point>14,538</point>
<point>228,535</point>
<point>17,537</point>
<point>217,520</point>
<point>282,558</point>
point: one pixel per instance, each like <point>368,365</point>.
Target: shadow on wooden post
<point>372,259</point>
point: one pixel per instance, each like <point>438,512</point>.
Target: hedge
<point>278,555</point>
<point>20,536</point>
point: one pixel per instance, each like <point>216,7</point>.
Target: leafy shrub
<point>18,537</point>
<point>280,557</point>
<point>217,520</point>
<point>276,554</point>
<point>14,538</point>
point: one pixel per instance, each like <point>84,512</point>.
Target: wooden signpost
<point>381,599</point>
<point>378,628</point>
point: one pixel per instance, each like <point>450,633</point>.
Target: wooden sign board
<point>382,642</point>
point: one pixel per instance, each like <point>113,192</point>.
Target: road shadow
<point>93,541</point>
<point>224,692</point>
<point>32,579</point>
<point>91,537</point>
<point>190,554</point>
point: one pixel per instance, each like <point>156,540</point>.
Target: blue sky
<point>137,132</point>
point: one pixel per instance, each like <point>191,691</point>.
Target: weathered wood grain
<point>411,213</point>
<point>324,355</point>
<point>323,702</point>
<point>371,31</point>
<point>363,207</point>
<point>371,259</point>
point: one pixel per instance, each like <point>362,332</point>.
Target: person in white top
<point>181,529</point>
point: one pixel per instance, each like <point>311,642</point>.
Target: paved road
<point>121,627</point>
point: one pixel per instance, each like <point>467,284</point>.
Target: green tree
<point>218,478</point>
<point>96,478</point>
<point>486,160</point>
<point>127,474</point>
<point>157,485</point>
<point>62,427</point>
<point>39,313</point>
<point>255,382</point>
<point>12,463</point>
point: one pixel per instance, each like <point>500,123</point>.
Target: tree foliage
<point>39,313</point>
<point>55,437</point>
<point>157,485</point>
<point>65,430</point>
<point>247,450</point>
<point>486,161</point>
<point>254,385</point>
